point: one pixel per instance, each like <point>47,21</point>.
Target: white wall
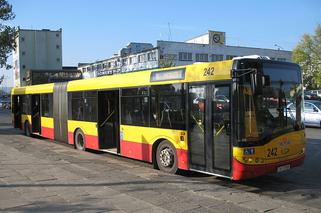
<point>37,49</point>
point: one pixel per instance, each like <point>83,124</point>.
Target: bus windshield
<point>271,108</point>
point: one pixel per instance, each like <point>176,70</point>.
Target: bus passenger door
<point>108,120</point>
<point>35,113</point>
<point>221,128</point>
<point>17,109</point>
<point>210,128</point>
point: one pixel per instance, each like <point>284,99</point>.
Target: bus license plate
<point>283,168</point>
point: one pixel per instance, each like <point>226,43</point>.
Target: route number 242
<point>208,71</point>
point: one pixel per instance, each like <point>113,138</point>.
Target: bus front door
<point>210,128</point>
<point>108,120</point>
<point>35,113</point>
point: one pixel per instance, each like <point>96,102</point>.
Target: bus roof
<point>34,89</point>
<point>220,70</point>
<point>193,73</point>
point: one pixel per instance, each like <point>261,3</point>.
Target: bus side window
<point>168,106</point>
<point>135,106</point>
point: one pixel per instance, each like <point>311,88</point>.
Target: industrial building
<point>36,49</point>
<point>210,46</point>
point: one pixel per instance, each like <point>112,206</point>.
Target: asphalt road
<point>300,185</point>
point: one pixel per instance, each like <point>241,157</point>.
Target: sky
<point>95,29</point>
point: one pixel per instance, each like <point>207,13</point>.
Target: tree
<point>308,55</point>
<point>7,34</point>
<point>167,60</point>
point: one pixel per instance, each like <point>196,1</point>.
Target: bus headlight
<point>259,160</point>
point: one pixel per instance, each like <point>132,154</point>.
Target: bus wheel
<point>80,142</point>
<point>166,157</point>
<point>27,129</point>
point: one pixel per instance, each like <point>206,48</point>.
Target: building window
<point>216,57</point>
<point>135,106</point>
<point>272,59</point>
<point>22,39</point>
<point>185,56</point>
<point>23,53</point>
<point>281,59</point>
<point>141,58</point>
<point>168,106</point>
<point>124,61</point>
<point>88,69</point>
<point>57,46</point>
<point>23,66</point>
<point>58,59</point>
<point>201,57</point>
<point>151,56</point>
<point>57,34</point>
<point>130,60</point>
<point>171,57</point>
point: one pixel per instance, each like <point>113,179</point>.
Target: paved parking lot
<point>38,175</point>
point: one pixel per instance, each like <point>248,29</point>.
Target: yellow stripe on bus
<point>47,122</point>
<point>149,135</point>
<point>89,128</point>
<point>286,147</point>
<point>35,89</point>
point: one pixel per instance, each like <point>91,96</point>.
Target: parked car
<point>311,112</point>
<point>308,95</point>
<point>316,92</point>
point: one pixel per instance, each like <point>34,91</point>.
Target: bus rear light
<point>182,139</point>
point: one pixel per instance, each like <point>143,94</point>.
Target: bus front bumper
<point>243,171</point>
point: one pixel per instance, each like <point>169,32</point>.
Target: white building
<point>210,46</point>
<point>36,49</point>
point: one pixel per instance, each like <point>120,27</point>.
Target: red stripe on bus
<point>47,132</point>
<point>70,137</point>
<point>243,171</point>
<point>92,142</point>
<point>139,151</point>
<point>182,159</point>
<point>142,151</point>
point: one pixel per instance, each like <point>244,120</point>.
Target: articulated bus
<point>227,118</point>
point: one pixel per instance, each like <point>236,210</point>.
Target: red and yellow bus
<point>227,118</point>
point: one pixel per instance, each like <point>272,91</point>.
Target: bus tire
<point>27,129</point>
<point>80,142</point>
<point>166,157</point>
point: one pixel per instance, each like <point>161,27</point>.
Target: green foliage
<point>167,61</point>
<point>308,55</point>
<point>7,33</point>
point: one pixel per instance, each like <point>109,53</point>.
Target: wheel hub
<point>166,157</point>
<point>80,141</point>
